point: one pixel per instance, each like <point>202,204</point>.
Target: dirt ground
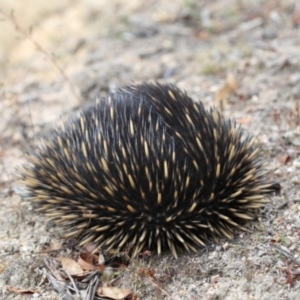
<point>102,45</point>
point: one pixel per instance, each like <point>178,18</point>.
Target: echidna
<point>147,168</point>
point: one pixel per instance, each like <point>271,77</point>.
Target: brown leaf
<point>20,291</point>
<point>245,120</point>
<point>203,35</point>
<point>88,262</point>
<point>291,275</point>
<point>89,258</point>
<point>71,266</point>
<point>114,293</point>
<point>276,239</point>
<point>284,159</point>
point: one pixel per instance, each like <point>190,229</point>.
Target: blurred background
<point>225,53</point>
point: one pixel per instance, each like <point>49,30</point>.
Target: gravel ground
<point>246,53</point>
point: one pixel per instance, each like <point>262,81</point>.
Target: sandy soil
<point>101,45</point>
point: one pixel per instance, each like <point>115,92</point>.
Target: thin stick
<point>28,35</point>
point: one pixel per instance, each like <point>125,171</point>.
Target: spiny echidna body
<point>147,168</point>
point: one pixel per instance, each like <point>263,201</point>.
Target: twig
<point>28,35</point>
<point>60,287</point>
<point>73,282</point>
<point>92,287</point>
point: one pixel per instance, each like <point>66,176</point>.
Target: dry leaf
<point>292,275</point>
<point>20,291</point>
<point>203,35</point>
<point>284,159</point>
<point>113,293</point>
<point>245,120</point>
<point>276,239</point>
<point>89,258</point>
<point>71,266</point>
<point>87,262</point>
